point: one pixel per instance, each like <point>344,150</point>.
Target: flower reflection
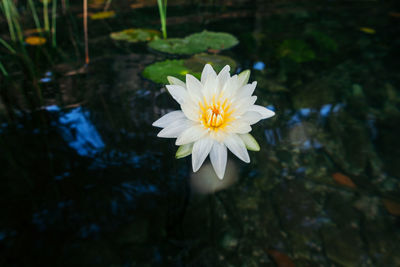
<point>205,181</point>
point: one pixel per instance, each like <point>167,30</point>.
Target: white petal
<point>176,81</point>
<point>251,117</point>
<point>184,150</point>
<point>243,78</point>
<point>246,90</point>
<point>223,76</point>
<point>194,87</point>
<point>210,88</point>
<point>191,110</point>
<point>168,118</point>
<point>207,72</point>
<point>218,157</point>
<point>242,105</point>
<point>239,126</point>
<point>265,113</point>
<point>237,147</point>
<point>230,87</point>
<point>178,92</point>
<point>200,151</point>
<point>250,142</point>
<point>190,135</point>
<point>175,129</point>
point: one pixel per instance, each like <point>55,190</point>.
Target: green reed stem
<point>7,13</point>
<point>46,15</point>
<point>54,23</point>
<point>3,70</point>
<point>34,14</point>
<point>6,45</point>
<point>162,8</point>
<point>15,18</point>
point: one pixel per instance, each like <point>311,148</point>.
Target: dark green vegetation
<point>86,182</point>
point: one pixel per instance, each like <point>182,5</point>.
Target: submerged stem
<point>86,31</point>
<point>54,23</point>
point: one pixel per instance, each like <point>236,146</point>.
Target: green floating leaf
<point>103,15</point>
<point>296,50</point>
<point>324,41</point>
<point>136,35</point>
<point>195,43</point>
<point>159,71</point>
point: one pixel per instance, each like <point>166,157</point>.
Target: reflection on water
<point>86,182</point>
<point>205,181</point>
<point>78,131</point>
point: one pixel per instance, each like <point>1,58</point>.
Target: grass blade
<point>6,45</point>
<point>3,70</point>
<point>34,14</point>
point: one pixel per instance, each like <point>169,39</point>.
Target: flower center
<point>215,115</point>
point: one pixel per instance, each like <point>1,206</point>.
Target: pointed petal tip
<point>220,175</point>
<point>195,168</point>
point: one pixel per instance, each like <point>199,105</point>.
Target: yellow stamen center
<point>215,115</point>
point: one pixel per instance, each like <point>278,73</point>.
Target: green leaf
<point>195,43</point>
<point>159,71</point>
<point>103,15</point>
<point>324,41</point>
<point>296,50</point>
<point>184,150</point>
<point>178,68</point>
<point>136,35</point>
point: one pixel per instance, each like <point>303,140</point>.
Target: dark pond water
<point>85,181</point>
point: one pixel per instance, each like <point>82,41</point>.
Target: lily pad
<point>136,35</point>
<point>102,15</point>
<point>195,43</point>
<point>296,50</point>
<point>367,30</point>
<point>159,71</point>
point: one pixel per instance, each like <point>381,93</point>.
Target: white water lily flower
<point>216,114</point>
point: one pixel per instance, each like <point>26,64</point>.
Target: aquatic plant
<point>159,71</point>
<point>10,12</point>
<point>162,7</point>
<point>216,114</point>
<point>195,43</point>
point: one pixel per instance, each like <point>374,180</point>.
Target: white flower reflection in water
<point>205,181</point>
<point>216,114</point>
